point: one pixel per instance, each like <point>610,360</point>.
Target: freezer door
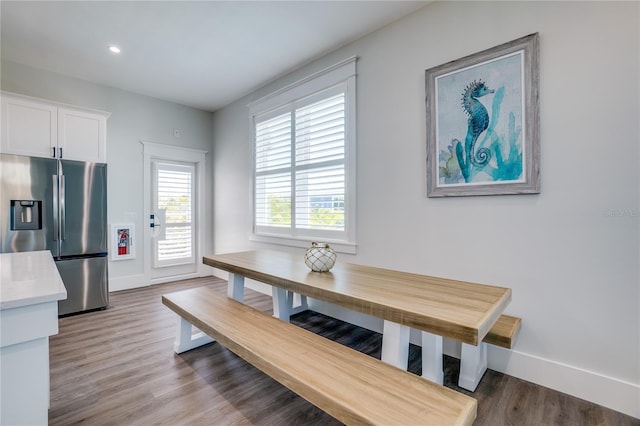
<point>24,180</point>
<point>86,281</point>
<point>83,208</point>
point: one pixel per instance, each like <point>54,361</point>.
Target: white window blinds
<point>174,183</point>
<point>304,162</point>
<point>300,167</point>
<point>273,172</point>
<point>320,154</point>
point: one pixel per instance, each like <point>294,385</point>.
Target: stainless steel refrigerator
<point>61,206</point>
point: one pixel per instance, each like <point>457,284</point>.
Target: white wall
<point>133,118</point>
<point>570,254</point>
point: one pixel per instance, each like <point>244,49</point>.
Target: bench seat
<point>504,332</point>
<point>351,386</point>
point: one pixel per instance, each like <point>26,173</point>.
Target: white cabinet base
<point>30,288</point>
<point>24,362</point>
<point>24,378</point>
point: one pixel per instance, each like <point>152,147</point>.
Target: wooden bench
<point>351,386</point>
<point>473,359</point>
<point>504,332</point>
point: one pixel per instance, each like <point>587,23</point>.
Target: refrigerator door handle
<point>63,215</point>
<point>56,198</point>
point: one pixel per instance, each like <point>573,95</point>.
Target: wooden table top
<point>455,309</point>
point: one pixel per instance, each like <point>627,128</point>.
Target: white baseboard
<point>127,282</point>
<point>161,280</point>
<point>588,385</point>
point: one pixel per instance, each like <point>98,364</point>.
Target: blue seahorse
<point>476,124</point>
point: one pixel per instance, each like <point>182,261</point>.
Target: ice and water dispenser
<point>26,215</point>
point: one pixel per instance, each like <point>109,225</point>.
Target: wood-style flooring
<point>117,367</point>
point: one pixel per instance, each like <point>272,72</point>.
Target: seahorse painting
<point>477,123</point>
<point>478,114</point>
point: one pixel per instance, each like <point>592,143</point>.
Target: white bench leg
<point>186,340</point>
<point>432,357</point>
<point>395,344</point>
<point>235,287</point>
<point>473,364</point>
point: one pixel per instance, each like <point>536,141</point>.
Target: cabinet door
<point>28,127</point>
<point>82,135</point>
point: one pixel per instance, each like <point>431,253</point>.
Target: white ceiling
<point>204,54</point>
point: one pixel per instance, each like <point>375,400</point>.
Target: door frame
<point>155,151</point>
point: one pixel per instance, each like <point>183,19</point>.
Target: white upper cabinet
<point>41,128</point>
<point>81,135</point>
<point>29,127</point>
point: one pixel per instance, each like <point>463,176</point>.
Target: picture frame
<point>483,122</point>
<point>122,241</point>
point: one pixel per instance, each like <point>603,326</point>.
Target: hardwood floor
<point>117,367</point>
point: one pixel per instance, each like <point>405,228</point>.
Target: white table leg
<point>473,364</point>
<point>235,288</point>
<point>282,303</point>
<point>432,357</point>
<point>186,340</point>
<point>283,306</point>
<point>299,303</point>
<point>395,344</point>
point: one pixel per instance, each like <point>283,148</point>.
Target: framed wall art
<point>482,122</point>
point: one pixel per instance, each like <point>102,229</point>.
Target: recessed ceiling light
<point>114,49</point>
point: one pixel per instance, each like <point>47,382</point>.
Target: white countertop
<point>29,278</point>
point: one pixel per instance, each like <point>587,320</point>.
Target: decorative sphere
<point>320,258</point>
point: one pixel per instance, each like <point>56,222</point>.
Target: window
<point>174,189</point>
<point>304,146</point>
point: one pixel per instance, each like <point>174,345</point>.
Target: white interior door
<point>174,218</point>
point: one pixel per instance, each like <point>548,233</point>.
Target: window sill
<point>338,246</point>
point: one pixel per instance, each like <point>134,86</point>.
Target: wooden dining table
<point>438,307</point>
